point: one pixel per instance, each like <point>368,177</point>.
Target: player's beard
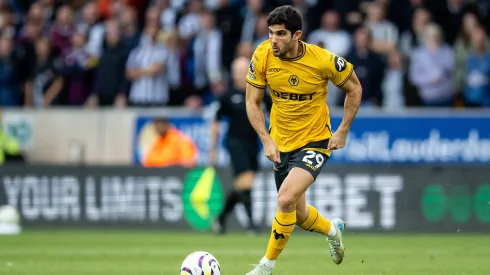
<point>287,48</point>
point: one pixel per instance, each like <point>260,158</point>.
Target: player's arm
<point>352,88</point>
<point>254,96</point>
<point>342,75</point>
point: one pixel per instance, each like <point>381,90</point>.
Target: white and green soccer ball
<point>199,263</point>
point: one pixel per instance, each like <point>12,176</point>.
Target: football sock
<point>316,223</point>
<point>246,198</point>
<point>282,227</point>
<point>231,201</point>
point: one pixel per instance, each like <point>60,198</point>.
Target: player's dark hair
<point>288,16</point>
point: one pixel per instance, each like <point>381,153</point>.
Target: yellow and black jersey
<point>298,87</point>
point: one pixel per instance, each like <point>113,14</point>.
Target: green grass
<point>151,252</point>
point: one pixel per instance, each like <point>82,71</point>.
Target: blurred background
<point>106,109</point>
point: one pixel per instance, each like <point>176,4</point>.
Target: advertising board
<point>408,199</point>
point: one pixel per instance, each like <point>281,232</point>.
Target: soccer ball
<point>9,215</point>
<point>200,263</point>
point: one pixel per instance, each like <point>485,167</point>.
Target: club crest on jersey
<point>340,64</point>
<point>252,66</point>
<point>293,80</point>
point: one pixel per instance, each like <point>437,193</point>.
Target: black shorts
<point>243,154</point>
<point>311,157</point>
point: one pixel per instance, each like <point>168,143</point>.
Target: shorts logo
<point>251,76</point>
<point>252,66</point>
<point>274,70</point>
<point>313,160</point>
<point>293,80</point>
<point>340,64</point>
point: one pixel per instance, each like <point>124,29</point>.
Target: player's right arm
<point>255,91</point>
<point>256,117</point>
<point>254,111</point>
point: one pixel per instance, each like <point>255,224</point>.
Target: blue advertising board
<point>414,139</point>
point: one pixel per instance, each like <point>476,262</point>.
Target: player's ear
<point>297,35</point>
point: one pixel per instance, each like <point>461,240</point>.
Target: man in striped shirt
<point>145,69</point>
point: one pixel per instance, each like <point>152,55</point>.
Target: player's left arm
<point>341,73</point>
<point>352,88</point>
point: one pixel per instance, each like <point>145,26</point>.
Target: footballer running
<point>300,139</point>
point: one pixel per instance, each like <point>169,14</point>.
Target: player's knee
<point>286,202</point>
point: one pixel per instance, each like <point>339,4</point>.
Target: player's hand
<point>212,156</point>
<point>271,151</point>
<point>338,140</point>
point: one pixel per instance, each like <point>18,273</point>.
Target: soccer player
<point>299,141</point>
<point>241,141</point>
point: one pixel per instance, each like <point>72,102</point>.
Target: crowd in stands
<point>178,52</point>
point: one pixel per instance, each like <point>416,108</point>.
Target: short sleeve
<point>256,69</point>
<point>338,70</point>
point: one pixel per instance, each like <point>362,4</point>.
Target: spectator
<point>432,69</point>
<point>129,27</point>
<point>477,89</point>
<point>369,68</point>
<point>45,83</point>
<point>207,57</point>
<point>62,30</point>
<point>229,21</point>
<point>253,10</point>
<point>77,71</point>
<point>384,33</point>
<point>30,33</point>
<point>8,23</point>
<point>170,147</point>
<point>329,36</point>
<point>413,37</point>
<point>168,14</point>
<point>145,68</point>
<point>10,93</point>
<point>95,32</point>
<point>189,24</point>
<point>448,14</point>
<point>110,81</point>
<point>261,30</point>
<point>462,49</point>
<point>393,82</point>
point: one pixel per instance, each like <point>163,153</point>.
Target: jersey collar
<point>297,57</point>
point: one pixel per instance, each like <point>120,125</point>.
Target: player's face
<point>281,39</point>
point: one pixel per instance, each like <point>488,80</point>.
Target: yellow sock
<point>282,227</point>
<point>316,223</point>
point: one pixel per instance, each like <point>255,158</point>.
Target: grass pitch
<point>152,253</point>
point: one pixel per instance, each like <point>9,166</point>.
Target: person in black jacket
<point>242,143</point>
<point>111,86</point>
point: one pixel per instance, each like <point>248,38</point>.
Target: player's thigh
<point>294,186</point>
<point>311,160</point>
